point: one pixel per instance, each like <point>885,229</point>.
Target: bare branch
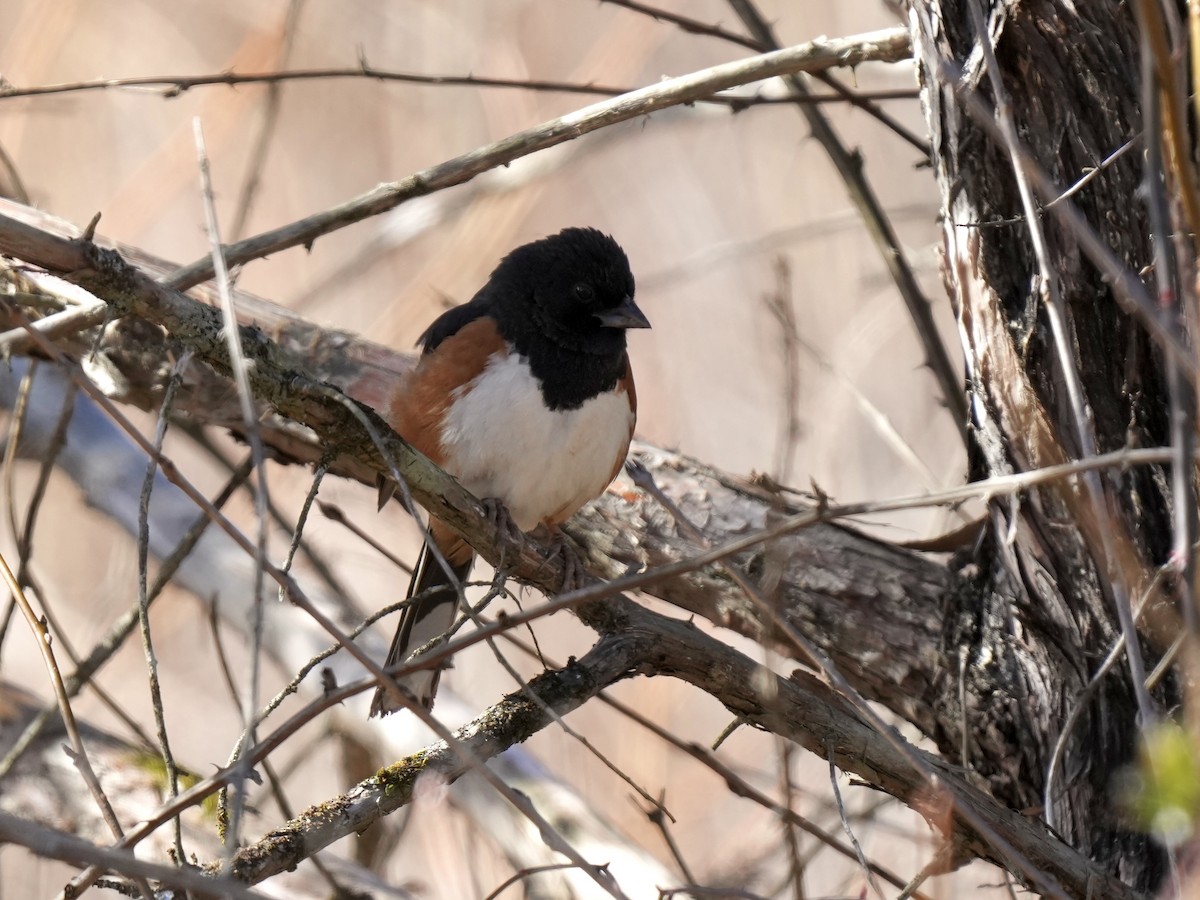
<point>690,25</point>
<point>799,707</point>
<point>54,844</point>
<point>268,124</point>
<point>889,45</point>
<point>193,321</point>
<point>174,85</point>
<point>850,168</point>
<point>253,435</point>
<point>144,597</point>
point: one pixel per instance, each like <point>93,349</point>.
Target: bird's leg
<point>574,573</point>
<point>501,519</point>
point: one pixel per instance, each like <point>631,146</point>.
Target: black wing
<point>451,322</point>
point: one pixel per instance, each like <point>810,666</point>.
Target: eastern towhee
<point>525,395</point>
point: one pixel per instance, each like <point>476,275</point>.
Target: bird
<point>526,396</point>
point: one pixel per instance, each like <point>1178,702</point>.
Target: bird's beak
<point>627,315</point>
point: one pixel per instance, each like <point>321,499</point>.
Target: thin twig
<point>779,304</point>
<point>55,326</point>
<point>52,844</point>
<point>856,98</point>
<point>876,418</point>
<point>518,877</point>
<point>691,26</point>
<point>1080,702</point>
<point>850,167</point>
<point>16,427</point>
<point>174,85</point>
<point>246,401</point>
<point>294,684</point>
<point>223,666</point>
<point>9,172</point>
<point>888,45</point>
<point>658,818</point>
<point>841,808</point>
<point>734,782</point>
<point>54,446</point>
<point>863,100</point>
<point>1175,130</point>
<point>1169,280</point>
<point>319,473</point>
<point>79,751</point>
<point>791,840</point>
<point>336,514</point>
<point>316,562</point>
<point>1095,171</point>
<point>266,129</point>
<point>656,804</point>
<point>143,551</point>
<point>122,628</point>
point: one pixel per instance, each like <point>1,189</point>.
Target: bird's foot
<point>574,573</point>
<point>501,519</point>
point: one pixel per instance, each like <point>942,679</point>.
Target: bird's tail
<point>432,612</point>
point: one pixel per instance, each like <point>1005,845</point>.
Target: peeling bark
<point>1042,615</point>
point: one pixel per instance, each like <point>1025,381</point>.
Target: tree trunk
<point>1042,615</point>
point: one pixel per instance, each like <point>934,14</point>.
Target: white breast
<point>501,441</point>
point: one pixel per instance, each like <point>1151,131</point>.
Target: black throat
<point>569,375</point>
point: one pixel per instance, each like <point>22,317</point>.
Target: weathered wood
<point>1041,615</point>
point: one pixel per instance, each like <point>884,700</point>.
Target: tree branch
<point>832,575</point>
<point>890,45</point>
<point>849,165</point>
<point>800,708</point>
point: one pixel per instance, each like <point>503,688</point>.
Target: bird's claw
<point>574,573</point>
<point>501,519</point>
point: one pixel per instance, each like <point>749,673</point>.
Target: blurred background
<point>735,224</point>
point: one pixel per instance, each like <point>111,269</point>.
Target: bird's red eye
<point>584,292</point>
